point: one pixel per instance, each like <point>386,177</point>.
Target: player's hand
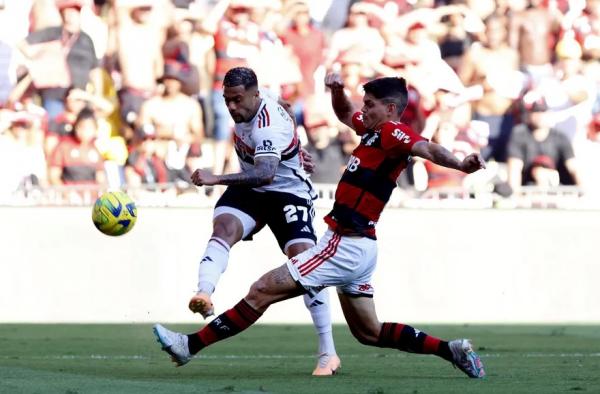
<point>204,178</point>
<point>307,161</point>
<point>472,163</point>
<point>334,81</point>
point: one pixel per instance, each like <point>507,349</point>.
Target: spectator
<point>61,56</point>
<point>144,166</point>
<point>308,44</point>
<point>325,142</point>
<point>538,154</point>
<point>193,43</point>
<point>140,65</point>
<point>357,42</point>
<point>21,151</point>
<point>493,64</point>
<point>175,119</point>
<point>15,27</point>
<point>237,39</point>
<point>531,29</point>
<point>61,125</point>
<point>76,160</point>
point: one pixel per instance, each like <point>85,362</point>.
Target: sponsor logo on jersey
<point>353,163</point>
<point>401,136</point>
<point>267,146</point>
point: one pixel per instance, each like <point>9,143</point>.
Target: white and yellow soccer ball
<point>114,213</point>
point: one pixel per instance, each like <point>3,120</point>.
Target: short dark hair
<point>85,114</point>
<point>240,76</point>
<point>389,90</point>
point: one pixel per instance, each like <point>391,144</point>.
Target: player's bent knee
<point>227,229</point>
<point>259,296</point>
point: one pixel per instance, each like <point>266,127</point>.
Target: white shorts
<point>336,260</point>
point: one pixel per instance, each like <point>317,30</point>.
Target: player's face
<point>242,104</point>
<point>375,111</point>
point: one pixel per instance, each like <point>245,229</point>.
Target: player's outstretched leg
<point>328,362</point>
<point>364,325</point>
<point>174,343</point>
<point>182,348</point>
<point>212,265</point>
<point>276,285</point>
<point>409,339</point>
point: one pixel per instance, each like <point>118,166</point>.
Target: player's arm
<point>443,157</point>
<point>341,103</point>
<point>261,174</point>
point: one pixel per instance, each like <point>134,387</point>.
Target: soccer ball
<point>114,213</point>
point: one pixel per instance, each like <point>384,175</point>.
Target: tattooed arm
<point>262,174</point>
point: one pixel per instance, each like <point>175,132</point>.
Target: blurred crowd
<point>128,92</point>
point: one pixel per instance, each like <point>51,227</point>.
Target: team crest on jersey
<point>370,140</point>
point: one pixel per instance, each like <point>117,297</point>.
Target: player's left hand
<point>307,161</point>
<point>204,178</point>
<point>472,163</point>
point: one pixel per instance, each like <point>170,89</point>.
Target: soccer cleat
<point>174,343</point>
<point>327,365</point>
<point>466,359</point>
<point>201,303</point>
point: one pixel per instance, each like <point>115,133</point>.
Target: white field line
<point>284,356</point>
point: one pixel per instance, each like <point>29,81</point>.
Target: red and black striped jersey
<point>370,176</point>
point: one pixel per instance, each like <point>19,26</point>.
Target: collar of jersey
<point>262,105</point>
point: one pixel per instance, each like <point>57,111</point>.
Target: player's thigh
<point>290,218</point>
<point>296,248</point>
<point>274,286</point>
<point>359,312</point>
<point>237,214</point>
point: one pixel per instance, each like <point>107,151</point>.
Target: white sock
<point>212,265</point>
<point>321,316</point>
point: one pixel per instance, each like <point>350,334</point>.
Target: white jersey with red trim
<point>272,133</point>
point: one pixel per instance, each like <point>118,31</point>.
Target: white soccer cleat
<point>327,365</point>
<point>466,359</point>
<point>174,343</point>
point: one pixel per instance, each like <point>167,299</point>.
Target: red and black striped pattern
<point>228,324</point>
<point>370,177</point>
<point>406,338</point>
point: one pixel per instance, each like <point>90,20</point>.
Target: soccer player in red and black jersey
<point>346,255</point>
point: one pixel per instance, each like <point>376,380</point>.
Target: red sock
<point>226,325</point>
<point>409,339</point>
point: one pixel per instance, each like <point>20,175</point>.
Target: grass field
<point>73,359</point>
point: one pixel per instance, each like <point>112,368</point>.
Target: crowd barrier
<point>435,265</point>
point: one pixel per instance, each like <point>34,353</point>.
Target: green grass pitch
<point>71,359</point>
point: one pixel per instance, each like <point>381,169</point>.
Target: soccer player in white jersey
<point>271,189</point>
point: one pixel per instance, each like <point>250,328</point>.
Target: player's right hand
<point>204,178</point>
<point>334,81</point>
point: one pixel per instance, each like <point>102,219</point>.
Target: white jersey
<point>271,133</point>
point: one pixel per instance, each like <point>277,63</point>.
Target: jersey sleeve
<point>273,133</point>
<point>357,122</point>
<point>270,141</point>
<point>398,138</point>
